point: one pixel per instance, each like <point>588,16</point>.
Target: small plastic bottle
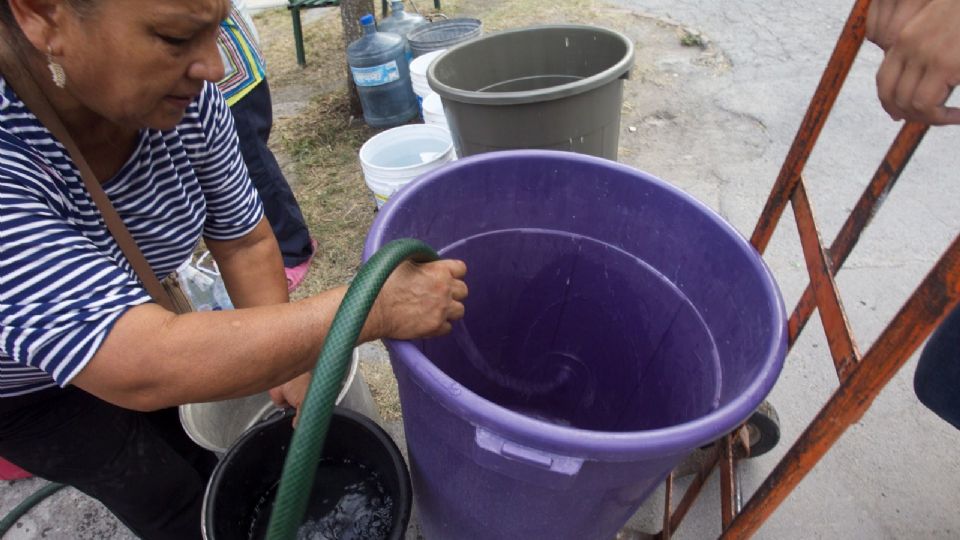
<point>402,23</point>
<point>380,69</point>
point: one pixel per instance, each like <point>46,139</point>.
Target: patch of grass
<point>689,38</point>
<point>497,16</point>
<point>383,388</point>
<point>322,44</point>
<point>324,142</point>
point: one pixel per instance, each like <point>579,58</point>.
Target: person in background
<point>244,87</point>
<point>920,69</point>
<point>91,368</point>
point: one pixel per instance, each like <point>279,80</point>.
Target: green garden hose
<point>306,446</point>
<point>11,518</point>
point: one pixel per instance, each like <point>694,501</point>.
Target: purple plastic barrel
<point>614,324</point>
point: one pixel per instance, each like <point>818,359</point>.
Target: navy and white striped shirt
<point>63,279</point>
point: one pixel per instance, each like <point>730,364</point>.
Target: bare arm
<point>153,358</point>
<point>252,267</point>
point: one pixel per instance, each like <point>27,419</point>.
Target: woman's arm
<point>153,358</point>
<point>252,267</point>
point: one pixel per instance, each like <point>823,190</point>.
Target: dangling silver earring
<point>56,70</point>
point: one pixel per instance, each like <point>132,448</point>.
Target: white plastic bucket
<point>392,159</point>
<point>433,111</point>
<point>418,75</point>
<point>216,425</point>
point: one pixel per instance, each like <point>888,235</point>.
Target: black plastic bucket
<point>238,500</point>
<point>554,87</point>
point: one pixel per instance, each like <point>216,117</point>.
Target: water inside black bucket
<point>352,504</point>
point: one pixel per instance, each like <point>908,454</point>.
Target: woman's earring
<point>56,70</point>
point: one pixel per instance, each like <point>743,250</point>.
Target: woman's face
<point>139,63</point>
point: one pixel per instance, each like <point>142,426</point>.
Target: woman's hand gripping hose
<point>397,316</point>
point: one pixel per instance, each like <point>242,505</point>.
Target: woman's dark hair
<point>11,36</point>
<point>6,16</point>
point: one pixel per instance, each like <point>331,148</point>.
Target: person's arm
<point>252,267</point>
<point>153,358</point>
<point>922,65</point>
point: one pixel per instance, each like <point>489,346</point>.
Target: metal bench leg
<point>383,4</point>
<point>298,36</point>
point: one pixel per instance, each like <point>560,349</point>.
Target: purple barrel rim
<point>598,445</point>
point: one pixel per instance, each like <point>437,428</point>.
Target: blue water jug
<point>382,75</point>
<point>402,23</point>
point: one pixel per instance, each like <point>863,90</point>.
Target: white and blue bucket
<point>418,76</point>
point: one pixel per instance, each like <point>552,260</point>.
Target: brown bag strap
<point>29,92</point>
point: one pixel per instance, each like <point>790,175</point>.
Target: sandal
<point>296,274</point>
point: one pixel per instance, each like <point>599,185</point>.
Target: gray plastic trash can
<point>552,87</point>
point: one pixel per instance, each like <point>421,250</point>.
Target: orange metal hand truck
<point>861,377</point>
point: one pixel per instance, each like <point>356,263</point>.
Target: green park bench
<point>296,5</point>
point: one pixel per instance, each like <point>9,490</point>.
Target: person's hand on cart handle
<point>921,65</point>
<point>886,18</point>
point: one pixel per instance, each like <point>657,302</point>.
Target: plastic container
<point>614,324</point>
<point>382,75</point>
<point>433,111</point>
<point>555,87</point>
<point>216,425</point>
<point>203,285</point>
<point>394,158</point>
<point>236,503</point>
<point>402,23</point>
<point>418,75</point>
<point>443,35</point>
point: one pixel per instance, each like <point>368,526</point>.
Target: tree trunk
<point>350,13</point>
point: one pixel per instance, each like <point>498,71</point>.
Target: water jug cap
<point>366,19</point>
<point>396,5</point>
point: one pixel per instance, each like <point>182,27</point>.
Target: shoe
<point>296,274</point>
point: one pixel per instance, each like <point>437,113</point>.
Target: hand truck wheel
<point>763,431</point>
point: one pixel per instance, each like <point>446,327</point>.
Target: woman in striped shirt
<point>89,366</point>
